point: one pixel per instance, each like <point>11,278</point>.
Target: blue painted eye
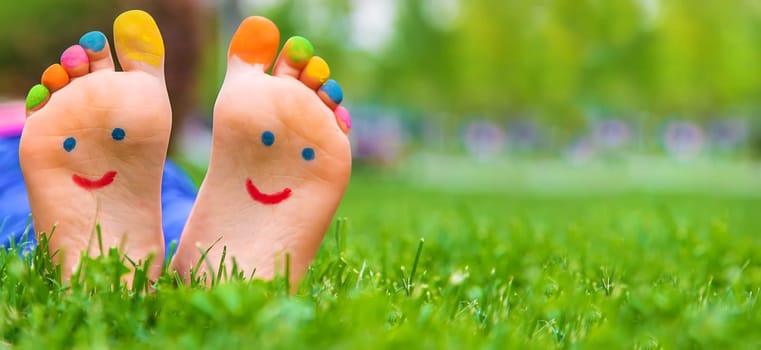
<point>118,134</point>
<point>69,144</point>
<point>268,138</point>
<point>307,153</point>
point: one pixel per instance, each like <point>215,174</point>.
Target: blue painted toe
<point>333,90</point>
<point>93,41</point>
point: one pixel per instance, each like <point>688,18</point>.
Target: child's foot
<point>280,160</point>
<point>93,147</point>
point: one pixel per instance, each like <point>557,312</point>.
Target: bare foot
<point>93,147</point>
<point>280,160</point>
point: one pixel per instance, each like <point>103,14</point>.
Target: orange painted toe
<point>256,41</point>
<point>55,77</point>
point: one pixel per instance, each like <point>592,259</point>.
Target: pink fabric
<point>12,117</point>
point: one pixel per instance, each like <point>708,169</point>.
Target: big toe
<point>254,43</point>
<point>138,42</point>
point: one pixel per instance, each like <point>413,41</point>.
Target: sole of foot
<point>94,143</point>
<point>280,161</point>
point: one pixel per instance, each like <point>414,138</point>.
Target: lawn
<point>413,268</point>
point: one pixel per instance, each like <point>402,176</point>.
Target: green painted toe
<point>37,94</point>
<point>299,49</point>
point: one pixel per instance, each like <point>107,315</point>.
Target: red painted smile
<point>264,198</point>
<point>88,184</point>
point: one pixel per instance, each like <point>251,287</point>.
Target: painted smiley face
<point>70,143</point>
<point>268,139</point>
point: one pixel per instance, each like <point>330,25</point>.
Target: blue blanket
<point>177,196</point>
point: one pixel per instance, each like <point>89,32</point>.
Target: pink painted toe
<point>343,118</point>
<point>75,61</point>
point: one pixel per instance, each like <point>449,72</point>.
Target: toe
<point>331,94</point>
<point>74,60</point>
<point>294,57</point>
<point>98,52</point>
<point>36,97</point>
<point>343,118</point>
<point>139,46</point>
<point>55,77</point>
<point>315,73</point>
<point>255,42</point>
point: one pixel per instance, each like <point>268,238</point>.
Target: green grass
<point>643,271</point>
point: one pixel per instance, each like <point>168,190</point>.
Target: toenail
<point>307,153</point>
<point>55,77</point>
<point>344,116</point>
<point>317,69</point>
<point>118,134</point>
<point>333,90</point>
<point>69,144</point>
<point>299,49</point>
<point>268,138</point>
<point>137,37</point>
<point>94,41</point>
<point>255,41</point>
<point>74,56</point>
<point>37,94</point>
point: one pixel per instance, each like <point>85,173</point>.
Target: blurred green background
<point>581,81</point>
<point>497,58</point>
